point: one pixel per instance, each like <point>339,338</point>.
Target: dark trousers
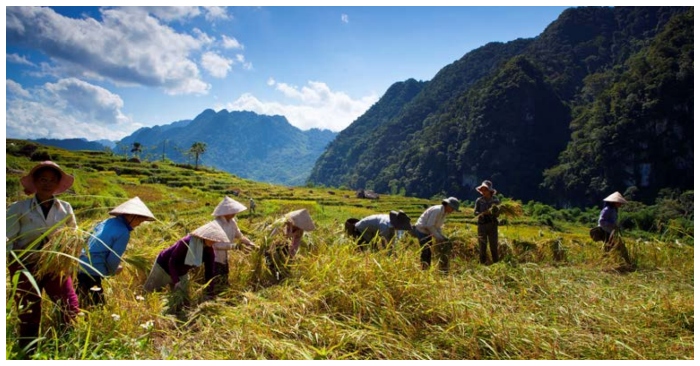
<point>60,290</point>
<point>443,248</point>
<point>90,290</point>
<point>488,232</point>
<point>220,281</point>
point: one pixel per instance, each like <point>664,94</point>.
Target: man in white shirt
<point>428,229</point>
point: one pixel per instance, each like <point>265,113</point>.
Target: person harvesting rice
<point>486,209</point>
<point>173,263</point>
<point>225,214</point>
<point>29,225</point>
<point>106,245</point>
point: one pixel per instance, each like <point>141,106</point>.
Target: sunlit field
<point>554,294</point>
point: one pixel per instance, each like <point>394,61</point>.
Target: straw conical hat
<point>65,182</point>
<point>133,206</point>
<point>615,197</point>
<point>211,231</point>
<point>301,219</point>
<point>228,206</point>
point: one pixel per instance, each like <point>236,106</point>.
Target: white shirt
<point>232,231</point>
<point>26,222</point>
<point>431,221</point>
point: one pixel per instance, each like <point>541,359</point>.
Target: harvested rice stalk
<point>60,254</point>
<point>510,209</point>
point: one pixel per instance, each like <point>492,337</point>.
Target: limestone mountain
<point>544,118</point>
<point>259,147</point>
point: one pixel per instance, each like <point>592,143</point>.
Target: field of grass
<point>553,296</point>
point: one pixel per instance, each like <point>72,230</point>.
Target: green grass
<point>339,303</point>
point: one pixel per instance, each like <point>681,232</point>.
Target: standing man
<point>428,229</point>
<point>486,209</point>
<point>251,204</point>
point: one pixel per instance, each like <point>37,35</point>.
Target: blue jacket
<point>106,246</point>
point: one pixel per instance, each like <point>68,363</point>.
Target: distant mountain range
<point>258,147</point>
<point>601,101</point>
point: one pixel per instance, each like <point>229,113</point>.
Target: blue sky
<point>98,72</point>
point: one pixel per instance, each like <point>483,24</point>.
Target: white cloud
<point>167,13</point>
<point>69,108</point>
<point>127,47</point>
<point>216,65</point>
<point>212,13</point>
<point>313,106</point>
<point>344,18</point>
<point>230,42</point>
<point>17,59</point>
<point>15,88</point>
<point>241,60</point>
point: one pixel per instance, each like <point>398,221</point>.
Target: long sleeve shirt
<point>232,231</point>
<point>379,223</point>
<point>106,245</point>
<point>431,221</point>
<point>482,205</point>
<point>26,222</point>
<point>172,260</point>
<point>608,218</point>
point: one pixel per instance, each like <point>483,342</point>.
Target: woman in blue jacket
<point>106,246</point>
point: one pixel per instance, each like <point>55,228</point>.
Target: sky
<point>104,72</point>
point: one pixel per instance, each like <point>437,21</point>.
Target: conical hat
<point>228,206</point>
<point>65,182</point>
<point>301,219</point>
<point>133,206</point>
<point>211,231</point>
<point>615,197</point>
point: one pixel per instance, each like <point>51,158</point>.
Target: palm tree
<point>136,150</point>
<point>198,148</point>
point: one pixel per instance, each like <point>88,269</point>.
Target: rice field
<point>553,296</point>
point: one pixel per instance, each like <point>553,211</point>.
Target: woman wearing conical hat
<point>173,263</point>
<point>285,238</point>
<point>106,245</point>
<point>28,222</point>
<point>225,214</point>
<point>608,217</point>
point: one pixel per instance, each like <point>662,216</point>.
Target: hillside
<point>246,144</point>
<point>553,296</point>
<point>600,101</point>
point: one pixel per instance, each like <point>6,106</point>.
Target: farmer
<point>173,263</point>
<point>608,218</point>
<point>428,229</point>
<point>251,203</point>
<point>285,238</point>
<point>225,214</point>
<point>486,210</point>
<point>106,245</point>
<point>29,221</point>
<point>383,226</point>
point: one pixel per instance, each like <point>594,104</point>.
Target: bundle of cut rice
<point>510,209</point>
<point>60,254</point>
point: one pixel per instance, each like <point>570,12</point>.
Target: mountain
<point>518,113</point>
<point>76,144</point>
<point>258,147</point>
